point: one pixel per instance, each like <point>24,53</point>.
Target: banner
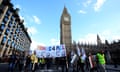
<point>51,51</point>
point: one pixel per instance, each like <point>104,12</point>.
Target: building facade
<point>1,1</point>
<point>65,29</point>
<point>111,50</point>
<point>13,34</point>
<point>114,49</point>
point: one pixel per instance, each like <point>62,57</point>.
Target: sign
<point>51,51</point>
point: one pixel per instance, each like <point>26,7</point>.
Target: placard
<point>51,51</point>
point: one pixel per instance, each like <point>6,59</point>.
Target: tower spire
<point>65,10</point>
<point>98,40</point>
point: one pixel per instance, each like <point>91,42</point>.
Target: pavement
<point>112,68</point>
<point>109,68</point>
<point>3,67</point>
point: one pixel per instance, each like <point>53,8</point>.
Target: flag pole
<point>66,60</point>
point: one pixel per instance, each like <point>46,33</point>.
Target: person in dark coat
<point>12,62</point>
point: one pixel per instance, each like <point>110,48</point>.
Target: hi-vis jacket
<point>34,59</point>
<point>101,58</point>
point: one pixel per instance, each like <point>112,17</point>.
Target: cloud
<point>116,37</point>
<point>18,6</point>
<point>106,32</point>
<point>27,17</point>
<point>82,12</point>
<point>88,2</point>
<point>34,44</point>
<point>98,4</point>
<point>32,30</point>
<point>91,38</point>
<point>54,42</point>
<point>22,18</point>
<point>36,20</point>
<point>110,35</point>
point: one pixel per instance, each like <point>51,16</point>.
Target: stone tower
<point>99,42</point>
<point>65,30</point>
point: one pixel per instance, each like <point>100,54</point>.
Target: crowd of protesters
<point>18,62</point>
<point>89,63</point>
<point>82,63</point>
<point>30,63</point>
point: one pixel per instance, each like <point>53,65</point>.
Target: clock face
<point>66,18</point>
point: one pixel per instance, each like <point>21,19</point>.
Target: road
<point>4,68</point>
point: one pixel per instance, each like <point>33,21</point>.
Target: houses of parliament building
<point>112,50</point>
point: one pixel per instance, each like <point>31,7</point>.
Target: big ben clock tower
<point>65,29</point>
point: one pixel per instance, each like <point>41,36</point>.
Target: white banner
<point>51,51</point>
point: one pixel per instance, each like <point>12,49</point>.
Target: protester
<point>82,62</point>
<point>74,62</point>
<point>63,64</point>
<point>34,60</point>
<point>21,62</point>
<point>92,62</point>
<point>42,63</point>
<point>27,63</point>
<point>12,62</point>
<point>101,61</point>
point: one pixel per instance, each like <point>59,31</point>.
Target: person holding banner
<point>92,62</point>
<point>43,62</point>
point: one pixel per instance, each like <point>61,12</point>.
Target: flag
<point>78,51</point>
<point>83,57</point>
